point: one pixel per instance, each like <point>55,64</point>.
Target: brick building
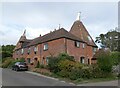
<point>77,43</point>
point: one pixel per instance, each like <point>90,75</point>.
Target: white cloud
<point>41,18</point>
<point>9,35</point>
<point>35,32</point>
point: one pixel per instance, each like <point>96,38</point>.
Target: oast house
<point>77,43</point>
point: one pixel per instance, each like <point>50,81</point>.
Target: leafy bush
<point>7,62</point>
<point>63,56</point>
<point>52,64</point>
<point>115,57</point>
<point>104,61</point>
<point>75,74</point>
<point>38,65</point>
<point>66,65</point>
<point>86,73</point>
<point>70,69</point>
<point>53,61</point>
<point>6,54</point>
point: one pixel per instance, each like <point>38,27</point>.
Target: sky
<point>42,17</point>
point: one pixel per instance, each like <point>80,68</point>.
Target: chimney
<point>40,35</point>
<point>78,16</point>
<point>54,29</point>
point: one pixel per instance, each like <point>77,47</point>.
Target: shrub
<point>52,64</point>
<point>75,74</point>
<point>66,65</point>
<point>21,60</point>
<point>104,61</point>
<point>96,71</point>
<point>63,56</point>
<point>7,62</point>
<point>53,61</point>
<point>38,65</point>
<point>115,57</point>
<point>14,61</point>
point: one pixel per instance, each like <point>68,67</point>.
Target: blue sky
<point>42,17</point>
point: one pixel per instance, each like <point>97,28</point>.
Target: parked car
<point>20,66</point>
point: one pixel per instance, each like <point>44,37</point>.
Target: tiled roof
<point>61,33</point>
<point>100,52</point>
<point>79,30</point>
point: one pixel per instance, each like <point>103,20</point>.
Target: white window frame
<point>35,48</point>
<point>47,60</point>
<point>77,44</point>
<point>82,60</point>
<point>83,45</point>
<point>22,51</point>
<point>29,50</point>
<point>45,46</point>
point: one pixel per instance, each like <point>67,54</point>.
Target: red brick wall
<point>78,52</point>
<point>56,47</point>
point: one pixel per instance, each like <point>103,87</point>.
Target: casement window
<point>82,60</point>
<point>94,50</point>
<point>35,49</point>
<point>28,60</point>
<point>47,60</point>
<point>28,50</point>
<point>83,45</point>
<point>46,46</point>
<point>17,52</point>
<point>22,51</point>
<point>77,44</point>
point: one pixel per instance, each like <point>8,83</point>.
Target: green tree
<point>6,50</point>
<point>115,57</point>
<point>104,61</point>
<point>109,40</point>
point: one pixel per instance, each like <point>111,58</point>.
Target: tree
<point>109,40</point>
<point>6,51</point>
<point>104,61</point>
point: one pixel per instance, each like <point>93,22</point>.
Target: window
<point>47,60</point>
<point>88,61</point>
<point>28,60</point>
<point>45,46</point>
<point>28,50</point>
<point>82,60</point>
<point>22,51</point>
<point>35,49</point>
<point>77,44</point>
<point>17,52</point>
<point>94,50</point>
<point>83,45</point>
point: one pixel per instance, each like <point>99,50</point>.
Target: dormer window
<point>77,44</point>
<point>45,46</point>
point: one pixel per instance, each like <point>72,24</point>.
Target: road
<point>108,83</point>
<point>13,78</point>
